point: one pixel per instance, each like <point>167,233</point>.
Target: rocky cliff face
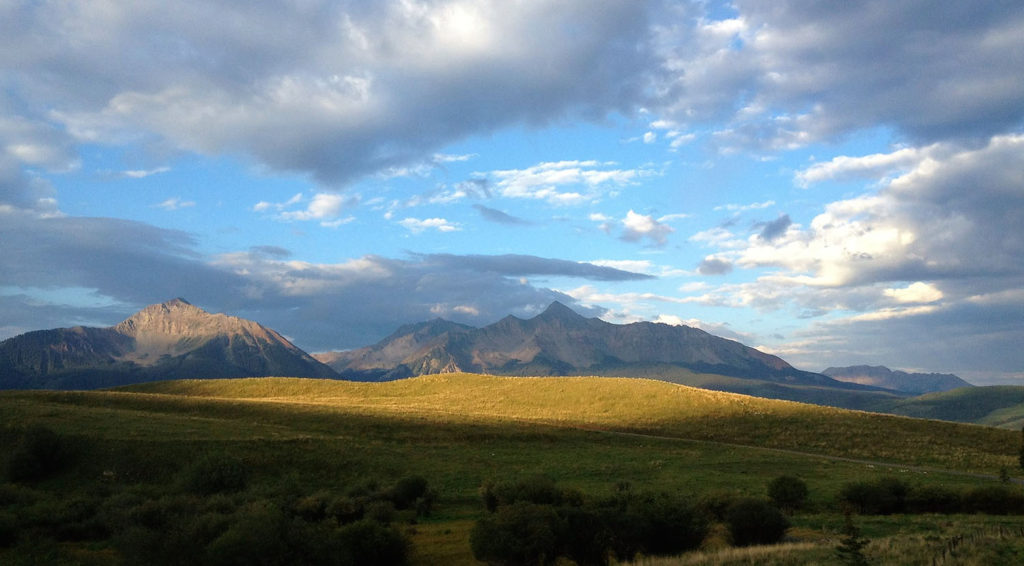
<point>561,342</point>
<point>171,340</point>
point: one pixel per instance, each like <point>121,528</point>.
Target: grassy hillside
<point>632,405</point>
<point>998,405</point>
<point>309,440</point>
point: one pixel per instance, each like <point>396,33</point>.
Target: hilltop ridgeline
<point>171,340</point>
<point>561,342</point>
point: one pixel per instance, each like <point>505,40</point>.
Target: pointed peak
<point>557,310</point>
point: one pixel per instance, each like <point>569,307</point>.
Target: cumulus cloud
<point>714,266</point>
<point>917,253</point>
<point>941,219</point>
<point>325,208</point>
<point>636,227</point>
<point>799,71</point>
<point>338,90</point>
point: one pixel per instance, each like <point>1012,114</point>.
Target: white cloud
<point>745,207</point>
<point>639,226</point>
<point>143,173</point>
<point>416,226</point>
<point>917,292</point>
<point>566,182</point>
<point>175,203</point>
<point>326,208</point>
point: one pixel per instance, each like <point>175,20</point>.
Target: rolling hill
<point>994,405</point>
<point>170,340</point>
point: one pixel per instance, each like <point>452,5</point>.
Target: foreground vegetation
<point>301,465</point>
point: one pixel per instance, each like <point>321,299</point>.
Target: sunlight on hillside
<point>631,405</point>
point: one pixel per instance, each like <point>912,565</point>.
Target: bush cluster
<point>533,521</point>
<point>219,521</point>
<point>889,495</point>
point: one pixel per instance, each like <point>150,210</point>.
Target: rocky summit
<point>171,340</point>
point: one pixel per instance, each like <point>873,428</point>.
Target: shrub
<point>670,525</point>
<point>257,536</point>
<point>518,534</point>
<point>788,492</point>
<point>933,499</point>
<point>753,521</point>
<point>534,489</point>
<point>994,500</point>
<point>372,544</point>
<point>407,490</point>
<point>38,454</point>
<point>880,497</point>
<point>215,474</point>
<point>587,538</point>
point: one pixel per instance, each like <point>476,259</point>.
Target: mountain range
<point>881,376</point>
<point>171,340</point>
<point>177,340</point>
<point>559,341</point>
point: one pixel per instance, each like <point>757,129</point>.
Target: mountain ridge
<point>559,341</point>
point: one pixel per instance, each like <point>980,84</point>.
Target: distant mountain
<point>912,383</point>
<point>172,340</point>
<point>561,342</point>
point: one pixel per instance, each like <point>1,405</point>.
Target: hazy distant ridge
<point>881,376</point>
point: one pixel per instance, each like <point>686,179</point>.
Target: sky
<point>836,183</point>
